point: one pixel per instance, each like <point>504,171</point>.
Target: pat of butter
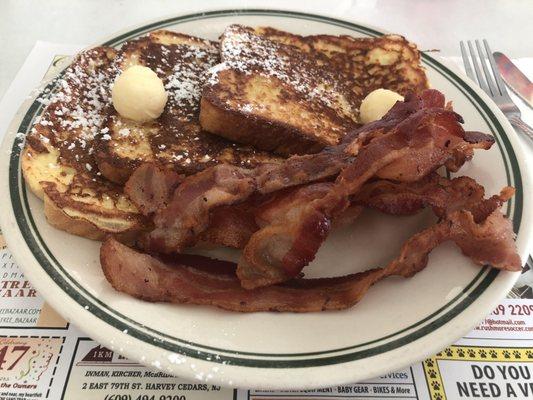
<point>139,94</point>
<point>376,104</point>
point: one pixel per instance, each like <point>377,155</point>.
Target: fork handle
<point>521,126</point>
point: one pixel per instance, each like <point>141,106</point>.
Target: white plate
<point>397,323</point>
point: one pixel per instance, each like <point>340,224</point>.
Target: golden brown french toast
<point>58,159</point>
<point>175,139</point>
<point>296,94</point>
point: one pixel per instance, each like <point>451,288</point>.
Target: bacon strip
<point>279,216</point>
<point>232,226</point>
<point>263,259</point>
<point>149,278</point>
<point>157,186</point>
<point>414,148</point>
<point>179,224</point>
<point>151,188</point>
<point>442,194</point>
<point>187,215</point>
<point>489,242</point>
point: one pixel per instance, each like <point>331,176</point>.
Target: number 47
<point>3,353</point>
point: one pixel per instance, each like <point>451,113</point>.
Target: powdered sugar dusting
<point>79,116</point>
<point>249,53</point>
<point>187,78</point>
<point>84,94</point>
<point>75,111</point>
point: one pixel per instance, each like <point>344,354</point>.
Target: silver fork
<point>492,83</point>
<point>496,89</point>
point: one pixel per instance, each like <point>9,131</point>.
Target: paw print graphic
<point>517,355</point>
<point>506,354</point>
<point>529,354</point>
<point>437,396</point>
<point>482,353</point>
<point>432,373</point>
<point>493,354</point>
<point>471,353</point>
<point>460,352</point>
<point>448,352</point>
<point>435,385</point>
<point>429,363</point>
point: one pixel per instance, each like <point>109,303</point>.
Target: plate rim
<point>346,24</point>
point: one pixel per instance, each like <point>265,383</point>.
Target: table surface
<point>430,24</point>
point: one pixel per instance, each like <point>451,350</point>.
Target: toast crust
<point>283,138</point>
<point>83,227</point>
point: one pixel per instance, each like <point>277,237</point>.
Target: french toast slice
<point>296,94</point>
<point>58,159</point>
<point>175,140</point>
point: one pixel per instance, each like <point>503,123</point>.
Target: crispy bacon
<point>489,242</point>
<point>442,194</point>
<point>180,223</point>
<point>230,226</point>
<point>149,278</point>
<point>284,212</point>
<point>414,148</point>
<point>300,170</point>
<point>262,261</point>
<point>233,226</point>
<point>414,102</point>
<point>150,187</point>
<point>474,140</point>
<point>152,279</point>
<point>187,215</point>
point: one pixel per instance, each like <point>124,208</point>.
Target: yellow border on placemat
<point>469,353</point>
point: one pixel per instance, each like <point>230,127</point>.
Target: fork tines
<point>490,80</point>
